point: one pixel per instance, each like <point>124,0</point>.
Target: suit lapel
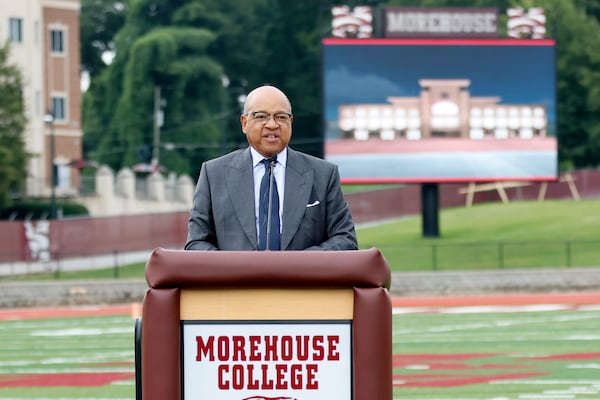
<point>240,187</point>
<point>298,186</point>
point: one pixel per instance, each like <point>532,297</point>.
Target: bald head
<point>269,92</point>
<point>270,135</point>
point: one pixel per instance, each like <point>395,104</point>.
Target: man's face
<point>267,123</point>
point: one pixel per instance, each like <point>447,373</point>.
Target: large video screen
<point>440,110</point>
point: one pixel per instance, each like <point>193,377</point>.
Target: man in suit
<point>312,215</point>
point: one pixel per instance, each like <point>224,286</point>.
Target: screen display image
<point>440,110</point>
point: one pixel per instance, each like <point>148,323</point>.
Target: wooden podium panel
<point>266,304</point>
<point>234,287</point>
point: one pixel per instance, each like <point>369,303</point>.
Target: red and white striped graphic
<point>530,24</point>
<point>351,24</point>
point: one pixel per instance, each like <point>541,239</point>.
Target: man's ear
<point>243,122</point>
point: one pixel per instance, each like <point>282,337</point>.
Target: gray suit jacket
<point>315,213</point>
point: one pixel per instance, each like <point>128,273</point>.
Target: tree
<point>161,45</point>
<point>578,85</point>
<point>12,124</point>
<point>590,7</point>
<point>99,22</point>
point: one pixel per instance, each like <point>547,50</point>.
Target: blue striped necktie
<point>274,236</point>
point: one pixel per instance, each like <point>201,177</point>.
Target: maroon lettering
<point>286,376</point>
<point>296,376</point>
<point>239,351</point>
<point>237,377</point>
<point>318,349</point>
<point>280,373</point>
<point>267,383</point>
<point>252,381</point>
<point>333,354</point>
<point>287,348</point>
<point>311,376</point>
<point>302,347</point>
<point>221,371</point>
<point>204,349</point>
<point>254,349</point>
<point>223,348</point>
<point>270,348</point>
<point>239,348</point>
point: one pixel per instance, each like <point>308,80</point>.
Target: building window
<point>36,31</point>
<point>58,108</point>
<point>56,41</point>
<point>15,30</point>
<point>38,102</point>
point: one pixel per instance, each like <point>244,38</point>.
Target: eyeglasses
<point>262,117</point>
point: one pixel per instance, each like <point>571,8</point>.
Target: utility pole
<point>158,122</point>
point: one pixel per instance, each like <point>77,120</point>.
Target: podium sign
<point>267,359</point>
<point>266,326</point>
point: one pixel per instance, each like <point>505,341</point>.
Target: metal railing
<point>484,255</point>
<point>492,255</point>
<point>57,264</point>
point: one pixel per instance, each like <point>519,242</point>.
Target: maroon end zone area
<point>64,312</point>
<point>83,379</point>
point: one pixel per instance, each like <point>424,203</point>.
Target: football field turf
<point>467,352</point>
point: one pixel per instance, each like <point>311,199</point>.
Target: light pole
<point>49,120</point>
<point>158,123</point>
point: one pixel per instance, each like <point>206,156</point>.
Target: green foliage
<point>119,107</point>
<point>590,7</point>
<point>578,65</point>
<point>13,156</point>
<point>100,20</point>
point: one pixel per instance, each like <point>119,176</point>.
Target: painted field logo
<point>38,240</point>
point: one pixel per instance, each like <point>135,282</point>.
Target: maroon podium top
<point>195,269</point>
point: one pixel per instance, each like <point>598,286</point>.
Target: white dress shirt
<point>278,175</point>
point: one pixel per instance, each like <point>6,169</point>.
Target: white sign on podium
<point>267,360</point>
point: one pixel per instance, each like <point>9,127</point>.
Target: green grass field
<point>67,358</point>
<point>525,234</point>
<point>437,356</point>
<point>508,356</point>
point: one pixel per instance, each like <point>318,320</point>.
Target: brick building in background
<point>43,36</point>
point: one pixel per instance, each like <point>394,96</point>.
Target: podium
<point>265,325</point>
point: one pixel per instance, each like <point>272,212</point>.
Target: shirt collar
<point>257,157</point>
